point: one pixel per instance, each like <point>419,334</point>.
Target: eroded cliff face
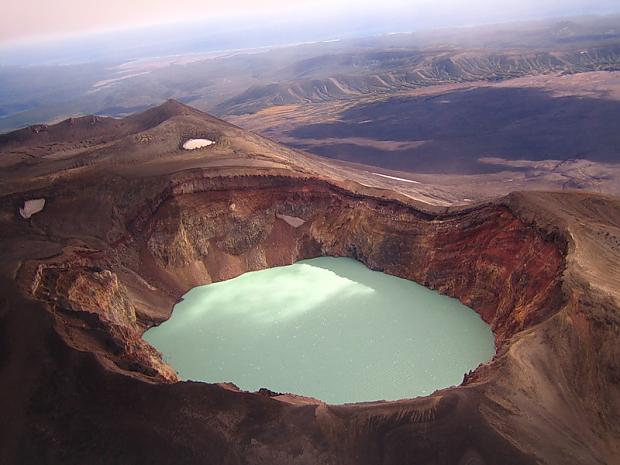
<point>93,312</point>
<point>200,228</point>
<point>206,229</point>
<point>215,229</point>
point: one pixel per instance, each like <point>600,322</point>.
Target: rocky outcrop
<point>93,312</point>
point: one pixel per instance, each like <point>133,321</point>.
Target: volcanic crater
<point>131,222</point>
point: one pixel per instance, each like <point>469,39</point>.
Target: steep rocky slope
<point>390,71</point>
<point>131,223</point>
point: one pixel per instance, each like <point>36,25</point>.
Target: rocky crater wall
<point>165,236</point>
<point>199,230</point>
<point>508,271</point>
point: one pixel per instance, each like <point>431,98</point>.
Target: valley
<point>544,132</point>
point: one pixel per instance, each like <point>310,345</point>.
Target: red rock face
<point>493,262</point>
<point>509,267</point>
<point>131,222</point>
<point>203,230</point>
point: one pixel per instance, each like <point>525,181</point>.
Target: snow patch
<point>31,207</point>
<point>397,179</point>
<point>291,220</point>
<point>194,144</point>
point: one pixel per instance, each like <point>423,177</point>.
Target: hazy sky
<point>40,19</point>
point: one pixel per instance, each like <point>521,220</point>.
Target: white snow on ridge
<point>31,207</point>
<point>397,179</point>
<point>194,144</point>
<point>291,220</point>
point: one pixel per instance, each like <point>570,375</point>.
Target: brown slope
<point>118,242</point>
<point>75,137</point>
<point>92,127</point>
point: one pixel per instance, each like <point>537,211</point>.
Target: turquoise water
<point>328,328</point>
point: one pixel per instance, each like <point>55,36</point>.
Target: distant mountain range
<point>245,81</point>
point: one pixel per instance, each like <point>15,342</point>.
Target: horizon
<point>37,23</point>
